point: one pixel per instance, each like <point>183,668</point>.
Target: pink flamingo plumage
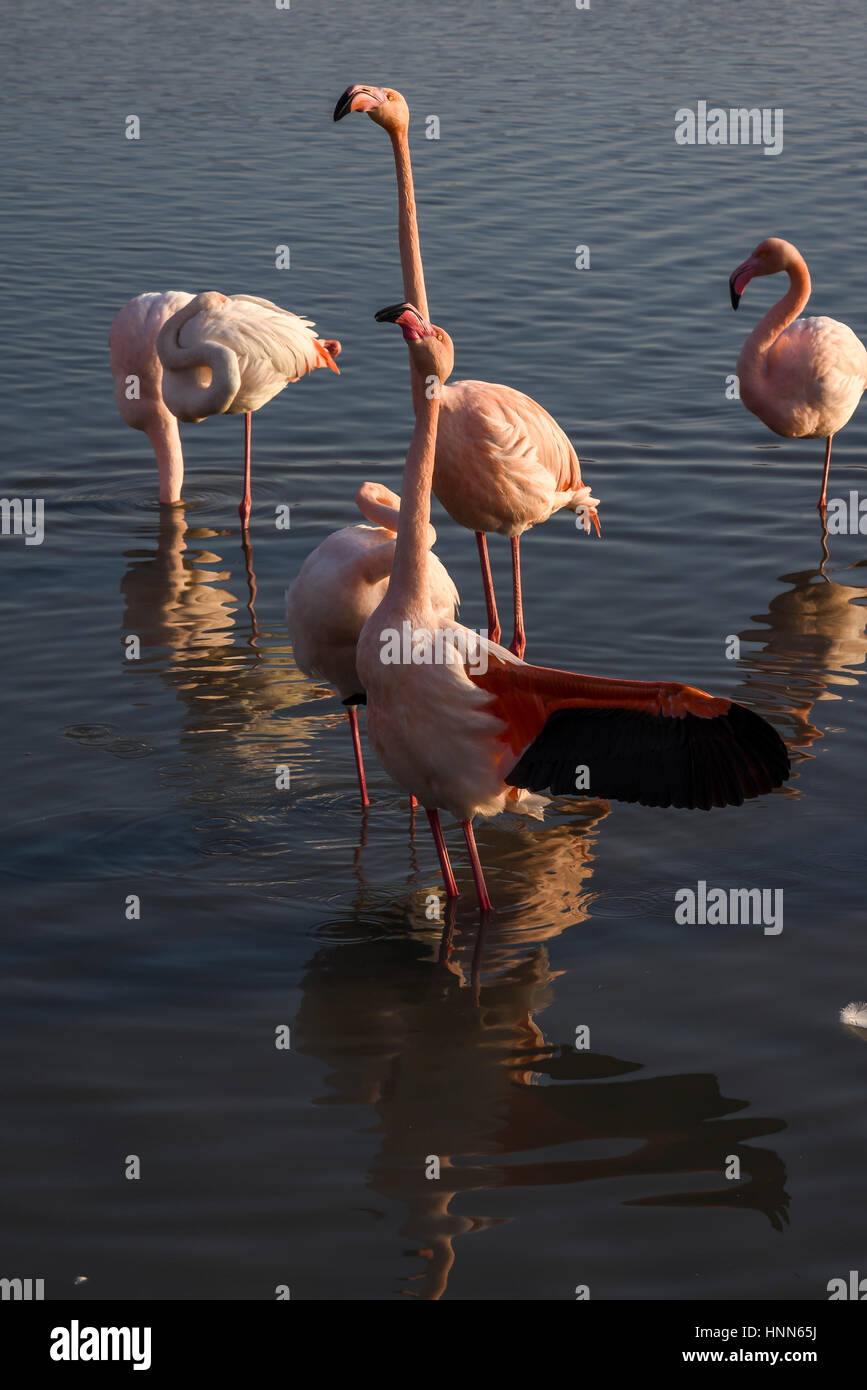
<point>479,741</point>
<point>337,588</point>
<point>802,377</point>
<point>175,356</point>
<point>502,462</point>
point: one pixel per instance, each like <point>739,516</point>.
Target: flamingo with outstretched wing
<point>483,732</point>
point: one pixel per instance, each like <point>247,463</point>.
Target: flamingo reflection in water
<point>811,643</point>
<point>441,1039</point>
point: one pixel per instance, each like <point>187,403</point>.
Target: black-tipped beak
<point>393,313</point>
<point>740,278</point>
<point>344,105</point>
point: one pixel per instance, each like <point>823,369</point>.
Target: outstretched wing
<point>657,743</point>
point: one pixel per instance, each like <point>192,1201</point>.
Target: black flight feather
<point>655,759</point>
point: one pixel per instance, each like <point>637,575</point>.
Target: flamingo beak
<point>739,279</point>
<point>358,98</point>
<point>414,327</point>
<point>392,314</point>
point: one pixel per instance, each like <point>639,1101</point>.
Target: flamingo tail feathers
<point>326,357</point>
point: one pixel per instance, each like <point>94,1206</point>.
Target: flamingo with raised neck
<point>503,463</point>
<point>803,377</point>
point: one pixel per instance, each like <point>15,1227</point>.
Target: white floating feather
<point>855,1014</point>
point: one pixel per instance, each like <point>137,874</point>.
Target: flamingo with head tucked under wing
<point>502,462</point>
<point>337,588</point>
<point>482,732</point>
<point>176,356</point>
<point>802,377</point>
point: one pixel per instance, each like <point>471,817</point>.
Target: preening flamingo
<point>479,736</point>
<point>802,377</point>
<point>186,357</point>
<point>502,462</point>
<point>339,585</point>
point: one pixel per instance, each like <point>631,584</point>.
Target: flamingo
<point>186,357</point>
<point>503,463</point>
<point>802,377</point>
<point>482,736</point>
<point>337,588</point>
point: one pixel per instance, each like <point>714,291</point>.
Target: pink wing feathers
<point>502,462</point>
<point>273,346</point>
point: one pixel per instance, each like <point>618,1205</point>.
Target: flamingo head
<point>210,299</point>
<point>383,105</point>
<point>431,350</point>
<point>769,257</point>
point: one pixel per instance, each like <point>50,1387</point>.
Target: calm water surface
<point>262,908</point>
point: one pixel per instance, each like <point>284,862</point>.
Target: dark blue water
<point>263,908</point>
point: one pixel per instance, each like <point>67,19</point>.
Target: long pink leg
<point>484,901</point>
<point>488,582</point>
<point>356,748</point>
<point>823,500</point>
<point>442,854</point>
<point>519,641</point>
<point>246,500</point>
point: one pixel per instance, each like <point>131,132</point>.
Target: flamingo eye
<point>440,338</point>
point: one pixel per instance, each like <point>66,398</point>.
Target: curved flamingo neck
<point>184,396</point>
<point>380,506</point>
<point>165,437</point>
<point>408,579</point>
<point>784,312</point>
